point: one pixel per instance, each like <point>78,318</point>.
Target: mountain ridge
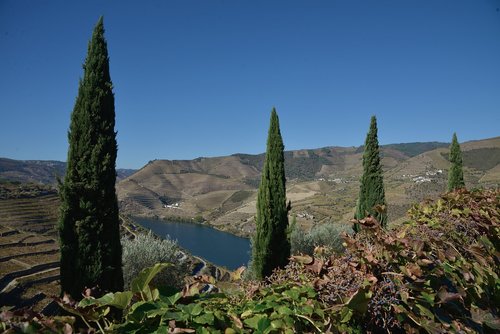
<point>40,171</point>
<point>321,183</point>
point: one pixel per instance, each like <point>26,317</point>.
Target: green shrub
<point>327,235</point>
<point>146,250</point>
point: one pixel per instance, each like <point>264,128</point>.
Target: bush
<point>146,250</point>
<point>326,235</point>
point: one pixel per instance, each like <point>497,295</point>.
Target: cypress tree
<point>89,223</point>
<point>455,174</point>
<point>271,245</point>
<point>371,191</point>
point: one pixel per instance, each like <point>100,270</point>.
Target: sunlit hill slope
<point>322,183</point>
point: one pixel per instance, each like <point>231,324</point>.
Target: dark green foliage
<point>482,159</point>
<point>414,149</point>
<point>271,247</point>
<point>89,224</point>
<point>371,191</point>
<point>301,167</point>
<point>304,168</point>
<point>455,174</point>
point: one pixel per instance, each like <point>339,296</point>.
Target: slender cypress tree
<point>271,245</point>
<point>89,223</point>
<point>371,191</point>
<point>455,174</point>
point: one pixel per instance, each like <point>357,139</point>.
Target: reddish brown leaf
<point>316,266</point>
<point>446,297</point>
<point>414,269</point>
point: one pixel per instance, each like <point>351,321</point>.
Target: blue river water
<point>220,248</point>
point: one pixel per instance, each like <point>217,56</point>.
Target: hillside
<point>29,260</point>
<point>322,183</point>
<point>40,171</point>
<point>29,265</point>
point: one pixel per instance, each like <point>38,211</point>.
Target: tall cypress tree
<point>271,246</point>
<point>371,191</point>
<point>455,174</point>
<point>89,223</point>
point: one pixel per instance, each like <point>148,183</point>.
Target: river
<point>221,248</point>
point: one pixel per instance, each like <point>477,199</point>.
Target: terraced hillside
<point>29,250</point>
<point>29,260</point>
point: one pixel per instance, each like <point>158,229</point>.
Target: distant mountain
<point>36,171</point>
<point>123,173</point>
<point>322,183</point>
<point>40,171</point>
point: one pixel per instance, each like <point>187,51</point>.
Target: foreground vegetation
<point>438,272</point>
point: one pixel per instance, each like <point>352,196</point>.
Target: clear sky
<point>199,78</point>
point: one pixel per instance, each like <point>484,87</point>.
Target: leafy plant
<point>145,251</point>
<point>327,235</point>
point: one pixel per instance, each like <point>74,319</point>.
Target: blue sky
<point>199,78</point>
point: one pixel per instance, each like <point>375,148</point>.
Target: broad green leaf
<point>284,310</point>
<point>88,302</point>
<point>292,293</point>
<point>253,322</point>
<point>203,330</point>
<point>155,294</point>
<point>246,314</point>
<point>141,283</point>
<point>120,300</point>
<point>425,311</point>
<point>277,324</point>
<point>428,297</point>
<point>162,329</point>
<point>289,321</point>
<point>129,328</point>
<point>205,319</point>
<point>196,310</point>
<point>172,299</point>
<point>260,307</point>
<point>307,309</point>
<point>139,310</point>
<point>177,316</point>
<point>264,325</point>
<point>345,315</point>
<point>359,302</point>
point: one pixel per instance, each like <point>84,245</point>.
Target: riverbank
<point>196,265</point>
<point>228,228</point>
<point>221,248</point>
